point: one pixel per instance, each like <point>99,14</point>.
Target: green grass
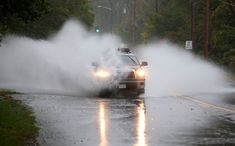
<point>17,124</point>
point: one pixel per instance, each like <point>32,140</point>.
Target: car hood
<point>127,68</point>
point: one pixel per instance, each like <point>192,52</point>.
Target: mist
<point>175,71</point>
<point>62,64</point>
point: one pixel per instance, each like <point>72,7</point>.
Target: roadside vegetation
<point>40,18</point>
<point>17,124</point>
<point>172,20</point>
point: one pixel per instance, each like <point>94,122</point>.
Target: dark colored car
<point>129,76</point>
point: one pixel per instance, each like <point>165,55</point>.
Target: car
<point>129,75</point>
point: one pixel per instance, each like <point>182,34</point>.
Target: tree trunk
<point>156,6</point>
<point>231,7</point>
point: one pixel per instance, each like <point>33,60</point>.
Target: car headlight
<point>102,73</point>
<point>140,73</point>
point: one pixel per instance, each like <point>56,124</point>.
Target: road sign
<point>124,10</point>
<point>188,45</point>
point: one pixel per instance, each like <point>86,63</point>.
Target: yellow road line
<point>207,104</point>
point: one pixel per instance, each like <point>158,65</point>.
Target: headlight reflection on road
<point>102,124</point>
<point>141,124</point>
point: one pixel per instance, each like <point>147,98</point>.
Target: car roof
<point>126,54</point>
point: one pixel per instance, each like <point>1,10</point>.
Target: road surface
<point>196,120</point>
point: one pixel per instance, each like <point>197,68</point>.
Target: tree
<point>171,21</point>
<point>39,18</point>
<point>59,12</point>
<point>14,13</point>
<point>223,35</point>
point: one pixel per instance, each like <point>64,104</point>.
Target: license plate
<point>121,86</point>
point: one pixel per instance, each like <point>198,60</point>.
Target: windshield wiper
<point>132,60</point>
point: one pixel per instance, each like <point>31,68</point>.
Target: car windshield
<point>130,60</point>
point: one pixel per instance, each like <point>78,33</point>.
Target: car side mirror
<point>95,64</point>
<point>144,63</point>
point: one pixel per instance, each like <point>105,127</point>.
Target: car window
<point>130,60</point>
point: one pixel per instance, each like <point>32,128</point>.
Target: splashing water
<point>63,64</point>
<point>59,64</point>
<point>174,71</point>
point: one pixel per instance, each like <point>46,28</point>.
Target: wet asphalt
<point>197,120</point>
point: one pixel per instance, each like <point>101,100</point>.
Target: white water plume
<point>59,64</point>
<point>63,64</point>
<point>175,71</point>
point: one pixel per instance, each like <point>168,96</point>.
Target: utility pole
<point>206,28</point>
<point>156,6</point>
<point>193,31</point>
<point>133,23</point>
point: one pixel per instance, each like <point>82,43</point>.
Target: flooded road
<point>196,120</point>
